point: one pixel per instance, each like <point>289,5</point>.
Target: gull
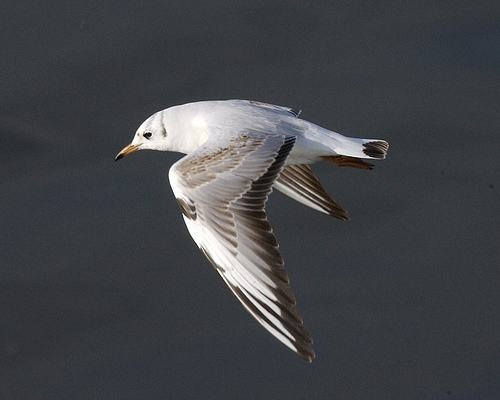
<point>237,151</point>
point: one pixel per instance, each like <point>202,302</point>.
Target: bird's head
<point>152,135</point>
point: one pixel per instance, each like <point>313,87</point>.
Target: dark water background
<point>103,295</point>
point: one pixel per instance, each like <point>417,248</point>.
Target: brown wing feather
<point>300,183</point>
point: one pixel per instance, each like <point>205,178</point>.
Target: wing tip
<point>299,182</point>
<point>306,353</point>
<point>376,149</point>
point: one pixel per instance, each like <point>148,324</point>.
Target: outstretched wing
<point>222,189</point>
<point>300,183</point>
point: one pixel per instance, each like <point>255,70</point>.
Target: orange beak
<point>127,150</point>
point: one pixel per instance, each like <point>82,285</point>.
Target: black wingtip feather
<point>377,149</point>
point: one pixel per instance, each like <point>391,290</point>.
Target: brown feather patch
<point>344,161</point>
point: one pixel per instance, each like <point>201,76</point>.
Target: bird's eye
<point>147,135</point>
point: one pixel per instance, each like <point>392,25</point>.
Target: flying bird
<point>237,151</point>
